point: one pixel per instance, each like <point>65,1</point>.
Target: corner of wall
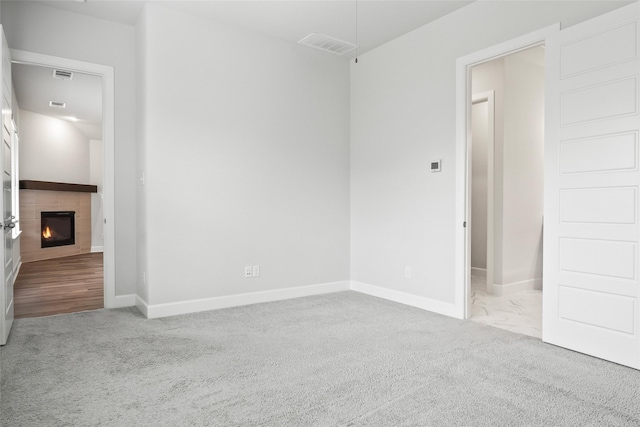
<point>428,304</point>
<point>142,287</point>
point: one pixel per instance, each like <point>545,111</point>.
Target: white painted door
<point>591,236</point>
<point>6,250</point>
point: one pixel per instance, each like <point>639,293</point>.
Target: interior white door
<point>591,235</point>
<point>6,250</point>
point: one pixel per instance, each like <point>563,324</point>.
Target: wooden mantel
<point>57,186</point>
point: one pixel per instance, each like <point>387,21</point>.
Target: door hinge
<point>464,224</point>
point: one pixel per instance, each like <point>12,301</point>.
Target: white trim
<point>480,272</point>
<point>423,303</point>
<point>194,306</point>
<point>108,137</point>
<point>512,288</point>
<point>124,301</point>
<point>142,305</point>
<point>96,249</point>
<point>216,303</point>
<point>463,94</point>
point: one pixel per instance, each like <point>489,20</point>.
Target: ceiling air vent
<point>57,104</point>
<point>62,74</point>
<point>328,44</point>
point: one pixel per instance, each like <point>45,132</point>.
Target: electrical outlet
<point>256,271</point>
<point>407,272</point>
<point>248,271</point>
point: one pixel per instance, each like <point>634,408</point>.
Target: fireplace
<point>58,228</point>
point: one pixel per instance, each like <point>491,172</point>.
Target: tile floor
<point>520,312</point>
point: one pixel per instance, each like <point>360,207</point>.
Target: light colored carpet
<point>342,359</point>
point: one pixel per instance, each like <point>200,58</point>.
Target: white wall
<point>96,171</point>
<point>37,28</point>
<point>52,150</point>
<point>402,116</point>
<point>142,290</point>
<point>246,160</point>
<point>523,166</point>
<point>479,181</point>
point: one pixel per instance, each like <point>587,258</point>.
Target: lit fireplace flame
<point>46,233</point>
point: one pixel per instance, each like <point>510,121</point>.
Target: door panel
<point>608,153</point>
<point>577,56</point>
<point>615,205</point>
<point>590,299</point>
<point>614,99</point>
<point>6,249</point>
<point>575,304</point>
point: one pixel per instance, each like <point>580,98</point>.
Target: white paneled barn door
<point>6,248</point>
<point>591,236</point>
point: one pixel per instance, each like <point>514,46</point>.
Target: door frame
<point>463,158</point>
<point>108,138</point>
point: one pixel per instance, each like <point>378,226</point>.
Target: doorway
<point>103,165</point>
<point>506,169</point>
<point>58,113</point>
<point>464,66</point>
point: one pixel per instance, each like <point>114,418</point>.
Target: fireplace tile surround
<point>33,202</point>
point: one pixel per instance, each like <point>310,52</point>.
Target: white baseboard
<point>512,288</point>
<point>95,249</point>
<point>142,306</point>
<point>194,306</point>
<point>124,301</point>
<point>428,304</point>
<point>480,272</point>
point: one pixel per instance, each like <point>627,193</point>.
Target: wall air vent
<point>328,44</point>
<point>57,104</point>
<point>62,75</point>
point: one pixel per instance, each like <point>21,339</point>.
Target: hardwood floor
<point>61,285</point>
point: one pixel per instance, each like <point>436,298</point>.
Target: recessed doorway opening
<point>92,253</point>
<point>506,169</point>
<point>60,126</point>
<point>500,203</point>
